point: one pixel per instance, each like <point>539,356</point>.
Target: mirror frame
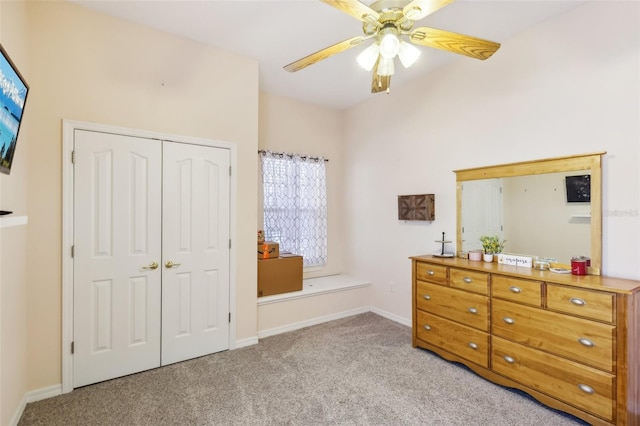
<point>591,162</point>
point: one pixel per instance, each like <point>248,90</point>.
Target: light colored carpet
<point>359,370</point>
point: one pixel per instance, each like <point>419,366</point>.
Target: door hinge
<point>229,170</point>
<point>73,347</point>
<point>73,251</point>
<point>73,157</point>
<point>229,316</point>
<point>229,242</point>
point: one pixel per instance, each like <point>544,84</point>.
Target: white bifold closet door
<point>151,253</point>
<point>195,251</point>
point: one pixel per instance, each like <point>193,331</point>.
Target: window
<point>295,204</point>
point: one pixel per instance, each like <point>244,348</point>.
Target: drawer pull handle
<point>467,280</point>
<point>473,310</point>
<point>508,320</point>
<point>430,273</point>
<point>586,388</point>
<point>472,345</point>
<point>427,327</point>
<point>578,302</point>
<point>509,359</point>
<point>515,289</point>
<point>427,297</point>
<point>586,342</point>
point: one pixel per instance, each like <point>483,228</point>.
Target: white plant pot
<point>488,257</point>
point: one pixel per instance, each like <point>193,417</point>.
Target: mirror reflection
<point>537,215</point>
<point>527,203</point>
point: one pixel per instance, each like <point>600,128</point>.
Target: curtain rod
<point>282,154</point>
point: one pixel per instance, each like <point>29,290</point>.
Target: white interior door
<point>117,237</point>
<point>482,211</point>
<point>195,253</point>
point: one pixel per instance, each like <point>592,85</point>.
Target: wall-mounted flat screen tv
<point>578,189</point>
<point>13,96</point>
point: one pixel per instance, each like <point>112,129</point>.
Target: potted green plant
<point>491,245</point>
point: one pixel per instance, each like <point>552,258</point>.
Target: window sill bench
<point>317,286</point>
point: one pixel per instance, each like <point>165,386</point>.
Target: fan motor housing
<point>391,15</point>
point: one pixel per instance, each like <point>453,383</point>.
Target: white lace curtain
<point>295,204</point>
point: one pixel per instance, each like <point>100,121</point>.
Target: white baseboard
<point>33,396</point>
<point>18,413</point>
<point>310,322</point>
<point>44,393</point>
<point>391,316</point>
<point>243,343</point>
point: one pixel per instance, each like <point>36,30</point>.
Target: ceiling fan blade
<point>419,9</point>
<point>356,9</point>
<point>324,53</point>
<point>454,42</point>
<point>380,83</point>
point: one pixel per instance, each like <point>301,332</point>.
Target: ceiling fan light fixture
<point>389,43</point>
<point>408,54</point>
<point>386,66</point>
<point>368,57</point>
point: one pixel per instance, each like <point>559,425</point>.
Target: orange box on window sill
<point>281,275</point>
<point>268,250</point>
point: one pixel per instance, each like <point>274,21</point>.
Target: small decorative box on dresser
<point>572,342</point>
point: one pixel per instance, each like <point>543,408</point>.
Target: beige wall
<point>91,67</point>
<point>559,88</point>
<point>13,196</point>
<point>287,125</point>
<point>536,208</point>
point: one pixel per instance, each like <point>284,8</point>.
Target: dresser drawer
<point>585,303</point>
<point>432,273</point>
<point>477,282</point>
<point>522,291</point>
<point>466,308</point>
<point>585,341</point>
<point>581,386</point>
<point>465,342</point>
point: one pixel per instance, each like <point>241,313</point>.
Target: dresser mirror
<point>541,208</point>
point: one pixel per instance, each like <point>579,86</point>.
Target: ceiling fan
<point>388,22</point>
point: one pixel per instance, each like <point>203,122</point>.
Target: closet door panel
<point>196,251</point>
<point>117,230</point>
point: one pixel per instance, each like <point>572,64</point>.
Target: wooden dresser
<point>572,342</point>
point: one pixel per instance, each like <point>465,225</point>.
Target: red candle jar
<point>578,266</point>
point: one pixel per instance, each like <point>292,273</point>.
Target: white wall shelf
<point>9,221</point>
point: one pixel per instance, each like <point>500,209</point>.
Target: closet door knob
<point>170,264</point>
<point>152,265</point>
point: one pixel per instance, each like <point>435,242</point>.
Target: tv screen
<point>578,189</point>
<point>13,95</point>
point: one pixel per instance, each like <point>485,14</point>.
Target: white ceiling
<point>278,32</point>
